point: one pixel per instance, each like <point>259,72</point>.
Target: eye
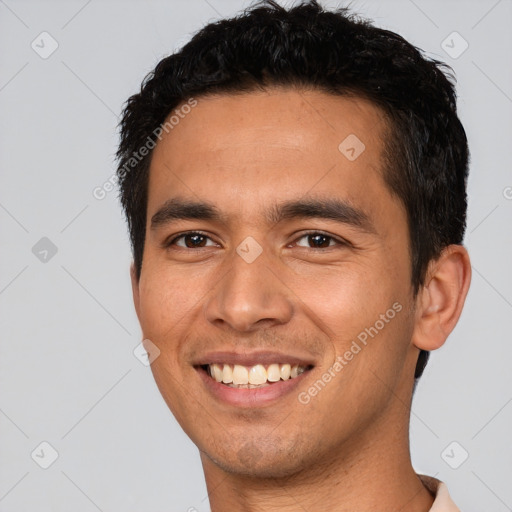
<point>190,240</point>
<point>318,240</point>
<point>199,240</point>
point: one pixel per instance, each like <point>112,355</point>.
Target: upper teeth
<point>257,374</point>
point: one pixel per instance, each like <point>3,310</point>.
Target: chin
<point>256,461</point>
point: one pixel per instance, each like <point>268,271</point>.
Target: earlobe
<point>135,289</point>
<point>441,299</point>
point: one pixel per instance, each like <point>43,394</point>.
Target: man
<point>294,183</point>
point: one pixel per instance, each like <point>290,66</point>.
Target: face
<point>272,240</point>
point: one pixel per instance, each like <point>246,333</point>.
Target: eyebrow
<point>323,208</point>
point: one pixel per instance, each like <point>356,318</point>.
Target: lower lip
<point>244,397</point>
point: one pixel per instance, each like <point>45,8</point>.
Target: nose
<point>250,296</point>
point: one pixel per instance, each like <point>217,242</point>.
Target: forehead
<point>259,147</point>
<point>279,116</point>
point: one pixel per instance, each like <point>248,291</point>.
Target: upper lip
<point>252,358</point>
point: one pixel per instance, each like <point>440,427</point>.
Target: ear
<point>135,289</point>
<point>440,301</point>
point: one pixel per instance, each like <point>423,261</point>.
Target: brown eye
<point>191,240</point>
<point>318,241</point>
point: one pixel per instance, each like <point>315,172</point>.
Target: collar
<point>443,501</point>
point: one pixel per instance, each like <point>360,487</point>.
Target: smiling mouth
<point>257,376</point>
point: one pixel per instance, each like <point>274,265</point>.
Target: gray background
<point>68,375</point>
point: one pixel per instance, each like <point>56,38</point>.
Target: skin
<point>348,448</point>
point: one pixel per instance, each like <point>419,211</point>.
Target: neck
<point>368,474</point>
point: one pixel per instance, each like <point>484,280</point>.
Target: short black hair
<point>308,47</point>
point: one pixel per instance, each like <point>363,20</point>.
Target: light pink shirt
<point>442,502</point>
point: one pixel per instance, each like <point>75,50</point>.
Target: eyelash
<point>339,242</point>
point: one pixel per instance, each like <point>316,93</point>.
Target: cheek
<point>348,297</point>
<point>363,307</point>
<point>163,300</point>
